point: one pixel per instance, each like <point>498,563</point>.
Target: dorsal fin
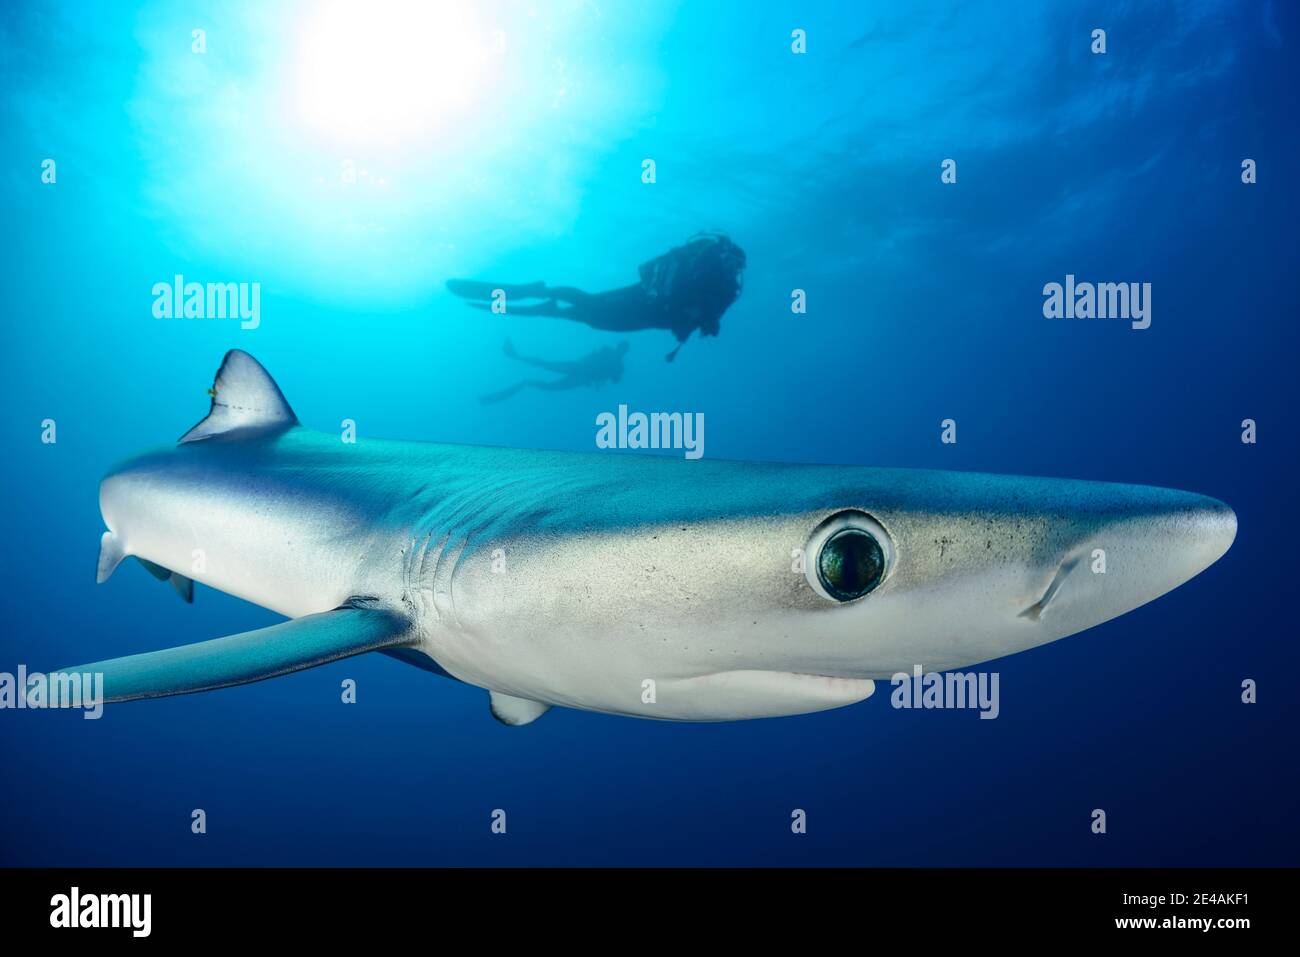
<point>244,398</point>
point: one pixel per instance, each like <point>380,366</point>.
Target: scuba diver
<point>687,288</point>
<point>595,368</point>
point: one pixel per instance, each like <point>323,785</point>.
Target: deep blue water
<point>275,158</point>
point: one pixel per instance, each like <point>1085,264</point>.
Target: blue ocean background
<point>924,303</point>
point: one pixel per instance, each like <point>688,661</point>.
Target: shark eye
<point>851,563</point>
<point>850,554</point>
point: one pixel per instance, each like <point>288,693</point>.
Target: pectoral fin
<point>252,655</point>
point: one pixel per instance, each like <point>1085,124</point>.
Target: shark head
<point>779,590</point>
<point>948,569</point>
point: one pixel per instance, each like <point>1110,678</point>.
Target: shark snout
<point>1177,539</point>
<point>1215,527</point>
<point>1130,555</point>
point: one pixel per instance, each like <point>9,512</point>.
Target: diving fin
<point>251,655</point>
<point>513,711</point>
<point>245,399</point>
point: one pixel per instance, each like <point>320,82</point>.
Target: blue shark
<point>634,585</point>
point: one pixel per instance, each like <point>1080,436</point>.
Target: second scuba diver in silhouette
<point>594,369</point>
<point>687,288</point>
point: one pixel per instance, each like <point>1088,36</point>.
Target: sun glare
<point>387,70</point>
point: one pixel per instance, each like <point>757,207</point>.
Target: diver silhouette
<point>594,369</point>
<point>687,288</point>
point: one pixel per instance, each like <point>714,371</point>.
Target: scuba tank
<point>707,261</point>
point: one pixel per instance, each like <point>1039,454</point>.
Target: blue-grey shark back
<point>629,584</point>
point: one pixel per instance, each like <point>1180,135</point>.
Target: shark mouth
<point>769,693</point>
